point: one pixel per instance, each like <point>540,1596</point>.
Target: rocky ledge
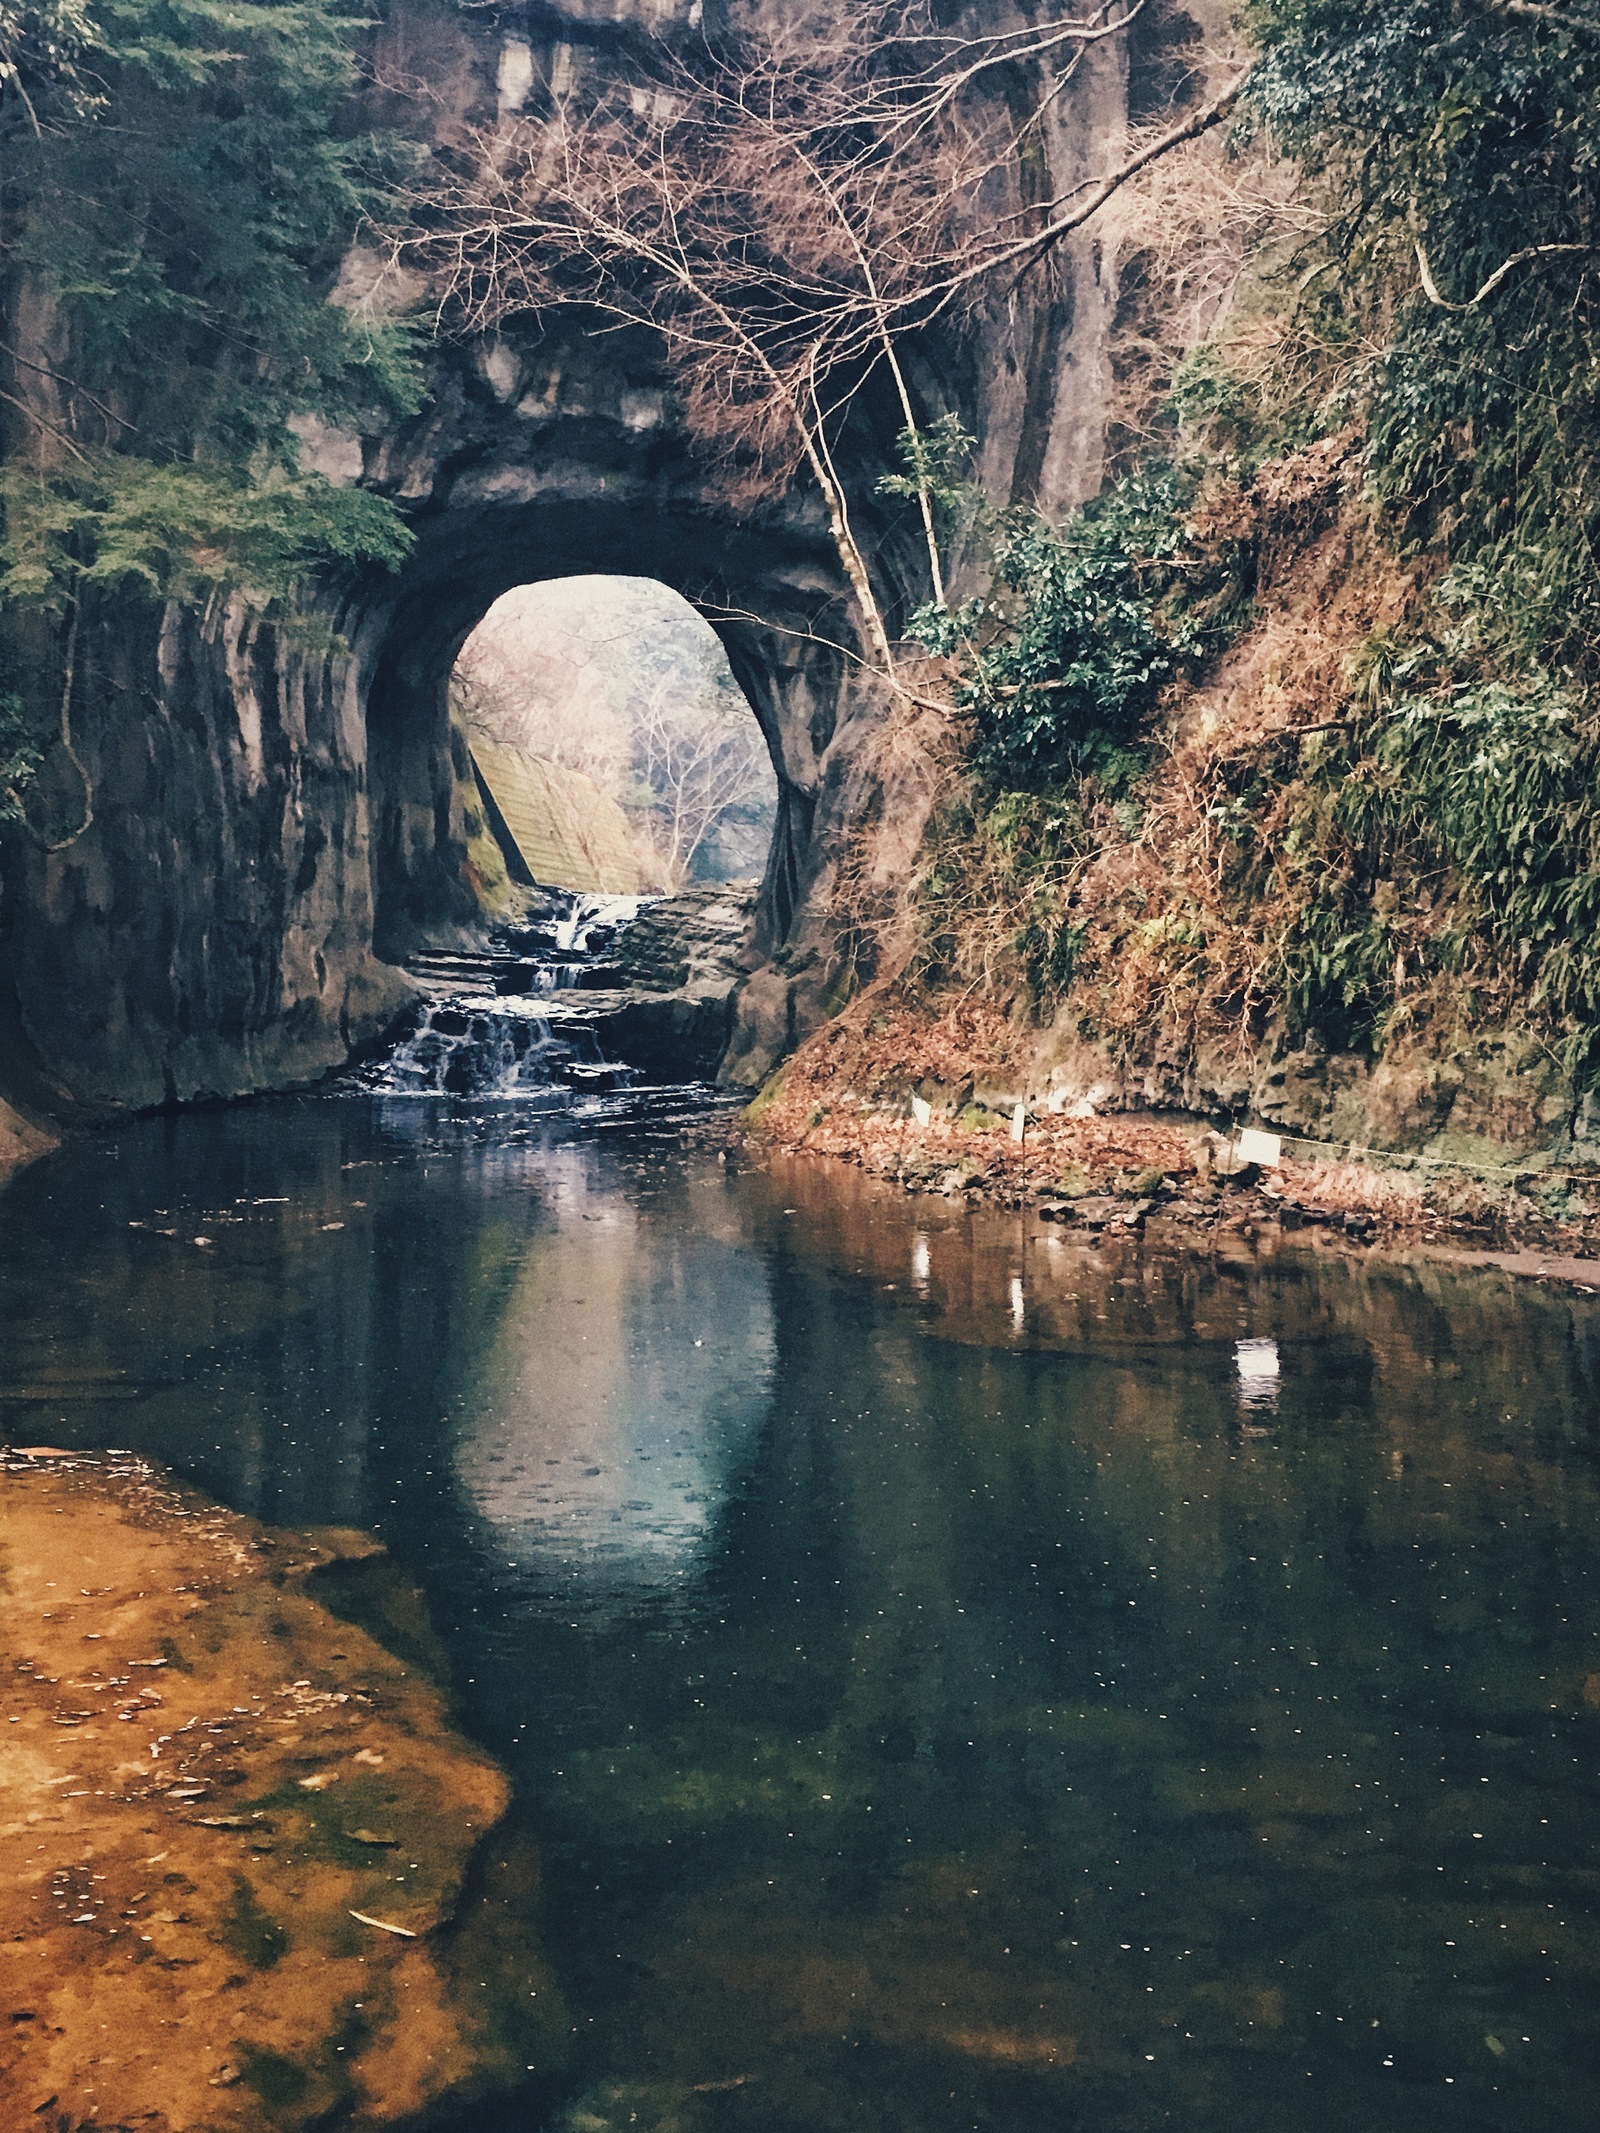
<point>677,968</point>
<point>651,994</point>
<point>923,1101</point>
<point>239,1831</point>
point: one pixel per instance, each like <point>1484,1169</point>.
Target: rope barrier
<point>1402,1159</point>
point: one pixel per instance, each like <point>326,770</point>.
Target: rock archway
<point>255,819</point>
<point>561,465</point>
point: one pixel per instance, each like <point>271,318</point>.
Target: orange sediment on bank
<point>21,1141</point>
<point>212,1790</point>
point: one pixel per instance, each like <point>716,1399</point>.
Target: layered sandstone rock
<point>238,1831</point>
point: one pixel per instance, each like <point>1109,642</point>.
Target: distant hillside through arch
<point>610,743</point>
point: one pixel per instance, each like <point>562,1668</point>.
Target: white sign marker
<point>1263,1148</point>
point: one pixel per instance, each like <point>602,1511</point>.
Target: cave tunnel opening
<point>689,579</point>
<point>597,722</point>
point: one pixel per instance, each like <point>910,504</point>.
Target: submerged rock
<point>239,1828</point>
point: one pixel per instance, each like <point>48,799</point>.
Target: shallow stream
<point>956,1678</point>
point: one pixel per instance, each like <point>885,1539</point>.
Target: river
<point>957,1678</point>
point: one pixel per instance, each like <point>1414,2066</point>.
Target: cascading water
<point>469,1046</point>
<point>594,915</point>
<point>482,1033</point>
<point>588,931</point>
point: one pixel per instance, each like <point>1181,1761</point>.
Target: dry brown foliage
<point>1183,921</point>
<point>780,205</point>
<point>845,1093</point>
<point>1188,236</point>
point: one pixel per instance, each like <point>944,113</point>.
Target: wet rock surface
<point>598,992</point>
<point>701,938</point>
<point>239,1830</point>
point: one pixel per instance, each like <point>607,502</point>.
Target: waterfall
<point>483,1032</point>
<point>592,915</point>
<point>485,1047</point>
<point>560,1003</point>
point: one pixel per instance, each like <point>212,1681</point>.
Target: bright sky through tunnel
<point>622,682</point>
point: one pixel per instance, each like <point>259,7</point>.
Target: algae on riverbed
<point>241,1832</point>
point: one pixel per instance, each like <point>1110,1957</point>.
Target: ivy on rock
<point>180,183</point>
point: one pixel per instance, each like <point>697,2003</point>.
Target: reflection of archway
<point>607,1477</point>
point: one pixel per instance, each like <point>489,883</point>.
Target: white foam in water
<point>478,1043</point>
<point>481,1047</point>
<point>1257,1365</point>
<point>572,933</point>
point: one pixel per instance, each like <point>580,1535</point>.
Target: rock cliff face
<point>252,824</point>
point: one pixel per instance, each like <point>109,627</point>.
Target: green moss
<point>841,990</point>
<point>179,225</point>
<point>249,1932</point>
<point>756,1110</point>
<point>278,2081</point>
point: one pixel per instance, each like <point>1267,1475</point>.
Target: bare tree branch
<point>1531,251</point>
<point>781,215</point>
<point>1027,249</point>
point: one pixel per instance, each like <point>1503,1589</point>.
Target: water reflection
<point>629,1371</point>
<point>1256,1363</point>
<point>987,1682</point>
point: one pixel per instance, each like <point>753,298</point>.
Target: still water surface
<point>958,1679</point>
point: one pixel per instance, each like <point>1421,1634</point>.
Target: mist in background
<point>620,679</point>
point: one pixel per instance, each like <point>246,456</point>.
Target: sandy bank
<point>236,1830</point>
<point>20,1141</point>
